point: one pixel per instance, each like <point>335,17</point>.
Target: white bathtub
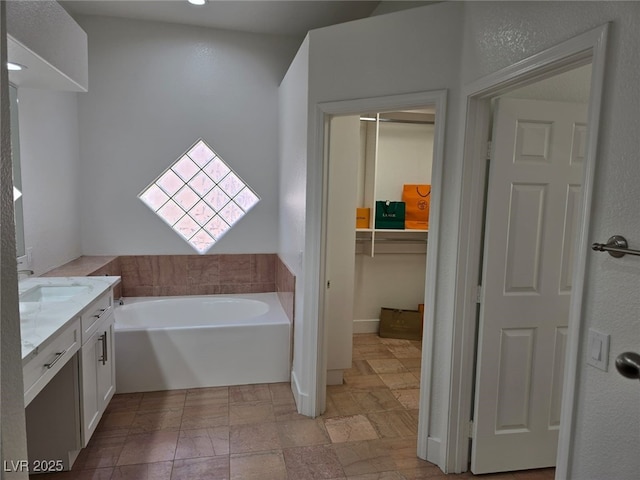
<point>165,343</point>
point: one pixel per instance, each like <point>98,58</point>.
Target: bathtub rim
<point>276,312</point>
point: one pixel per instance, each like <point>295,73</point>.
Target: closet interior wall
<point>391,273</point>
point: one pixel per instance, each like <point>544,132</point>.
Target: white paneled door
<point>533,200</point>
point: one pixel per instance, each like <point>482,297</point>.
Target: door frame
<point>379,104</point>
<point>589,47</point>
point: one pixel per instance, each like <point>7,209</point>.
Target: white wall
<point>422,49</point>
<point>396,280</point>
<point>292,134</point>
<point>383,55</point>
<point>409,51</point>
<point>607,423</point>
<point>50,163</point>
<point>155,89</point>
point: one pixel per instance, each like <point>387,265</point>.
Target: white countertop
<point>39,321</point>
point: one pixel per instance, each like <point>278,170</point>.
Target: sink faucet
<point>27,273</point>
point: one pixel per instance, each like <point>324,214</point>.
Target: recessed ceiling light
<point>197,2</point>
<point>15,66</point>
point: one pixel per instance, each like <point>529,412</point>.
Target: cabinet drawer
<point>48,361</point>
<point>95,313</point>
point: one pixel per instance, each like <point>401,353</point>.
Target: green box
<point>405,324</point>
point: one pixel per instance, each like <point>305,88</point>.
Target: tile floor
<point>253,431</point>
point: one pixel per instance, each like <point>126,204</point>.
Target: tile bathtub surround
<point>285,286</point>
<point>250,432</point>
<point>162,275</point>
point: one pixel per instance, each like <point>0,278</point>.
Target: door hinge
<point>328,283</point>
<point>479,293</point>
<point>488,153</point>
<point>470,428</point>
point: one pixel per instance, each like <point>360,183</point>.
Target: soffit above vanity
<point>43,37</point>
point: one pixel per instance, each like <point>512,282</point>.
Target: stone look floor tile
<point>258,466</point>
<point>267,438</point>
<point>377,400</point>
<point>358,458</point>
<point>207,396</point>
<point>245,413</point>
<point>208,468</point>
<point>205,416</point>
<point>115,424</point>
<point>249,394</point>
<point>369,351</point>
<point>126,402</point>
<point>403,351</point>
<point>366,338</point>
<point>281,394</point>
<point>163,400</point>
<point>345,403</point>
<point>364,382</point>
<point>397,342</point>
<point>152,420</point>
<point>312,463</point>
<point>145,471</point>
<point>286,412</point>
<point>99,456</point>
<point>400,381</point>
<point>411,363</point>
<point>378,476</point>
<point>91,474</point>
<point>393,424</point>
<point>350,429</point>
<point>298,433</point>
<point>253,438</point>
<point>410,397</point>
<point>149,448</point>
<point>207,442</point>
<point>387,365</point>
<point>359,367</point>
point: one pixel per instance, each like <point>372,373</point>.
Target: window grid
<point>199,196</point>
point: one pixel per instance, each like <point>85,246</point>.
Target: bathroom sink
<point>53,293</point>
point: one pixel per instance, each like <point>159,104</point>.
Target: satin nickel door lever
<point>628,365</point>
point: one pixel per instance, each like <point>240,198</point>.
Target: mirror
<point>17,177</point>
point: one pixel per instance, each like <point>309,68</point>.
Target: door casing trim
<point>385,103</point>
<point>589,47</point>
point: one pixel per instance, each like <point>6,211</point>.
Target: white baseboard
<point>366,325</point>
<point>335,377</point>
<point>433,451</point>
<point>301,399</point>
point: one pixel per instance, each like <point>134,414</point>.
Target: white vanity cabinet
<point>97,366</point>
<point>68,362</point>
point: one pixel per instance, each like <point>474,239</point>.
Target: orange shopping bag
<point>417,198</point>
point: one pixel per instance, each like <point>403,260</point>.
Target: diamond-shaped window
<point>199,196</point>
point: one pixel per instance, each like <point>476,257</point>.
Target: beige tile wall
<point>160,275</point>
<point>285,286</point>
<point>166,275</point>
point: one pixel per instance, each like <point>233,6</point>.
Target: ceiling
<point>266,16</point>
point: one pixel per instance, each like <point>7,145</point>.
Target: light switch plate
<point>598,350</point>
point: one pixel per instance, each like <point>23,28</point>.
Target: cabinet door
<point>91,352</point>
<point>106,385</point>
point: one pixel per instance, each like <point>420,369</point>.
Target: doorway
<point>378,162</point>
<point>385,104</point>
<point>532,199</point>
<point>580,51</point>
